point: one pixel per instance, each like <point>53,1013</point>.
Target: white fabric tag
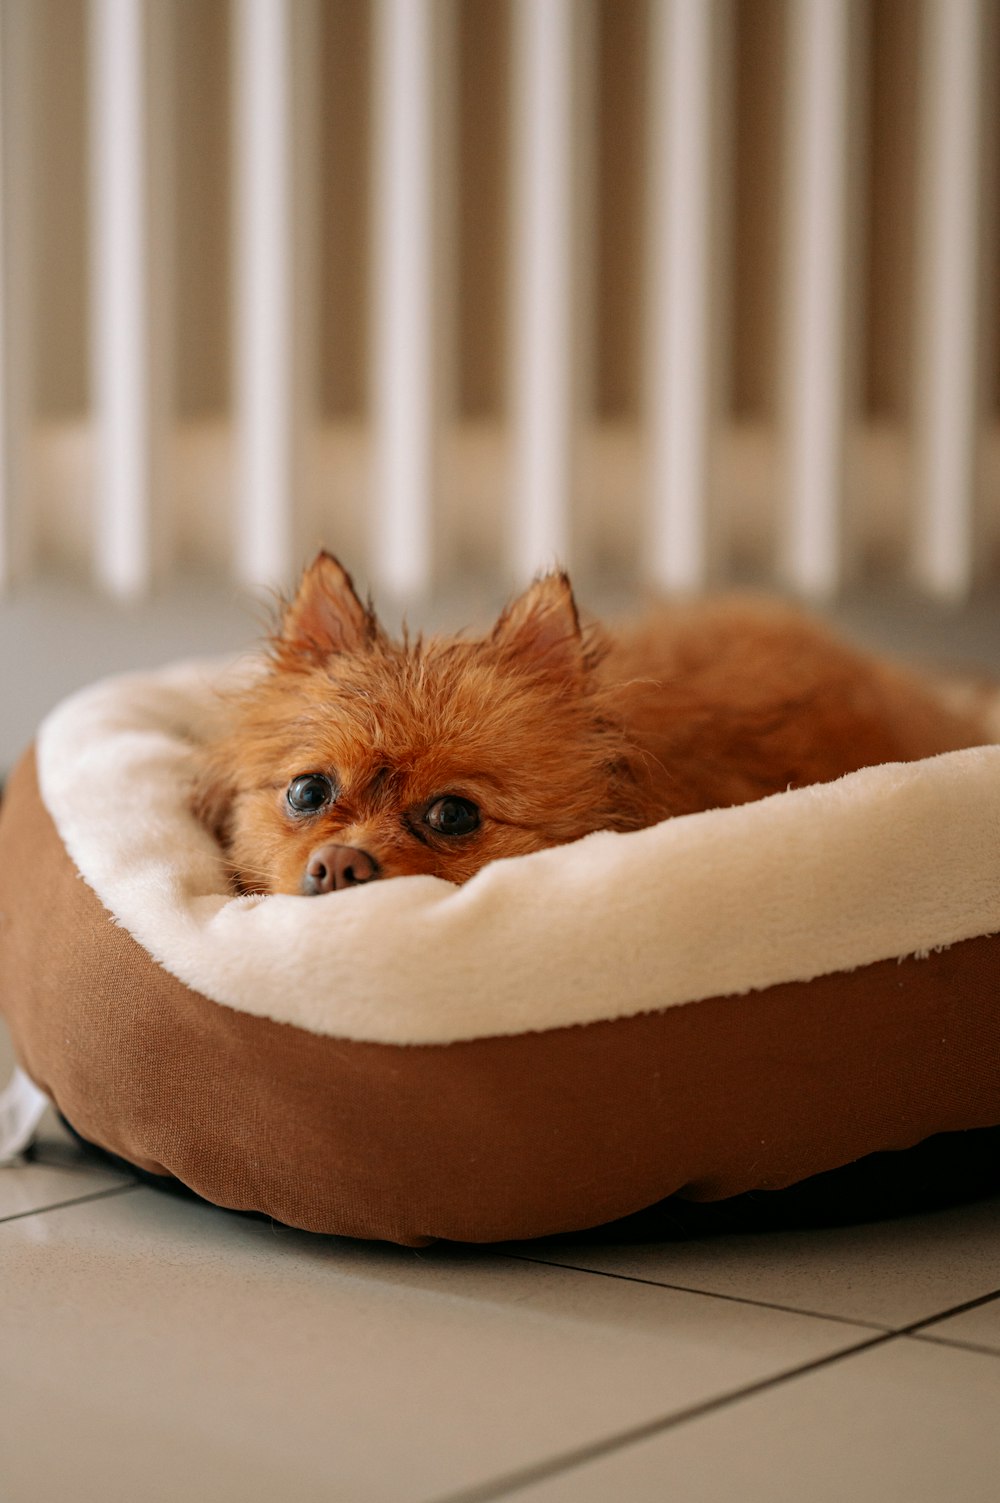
<point>21,1108</point>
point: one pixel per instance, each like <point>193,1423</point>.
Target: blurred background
<point>683,293</point>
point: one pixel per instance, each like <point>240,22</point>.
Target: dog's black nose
<point>334,866</point>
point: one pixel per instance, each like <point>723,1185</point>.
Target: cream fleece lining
<point>886,862</point>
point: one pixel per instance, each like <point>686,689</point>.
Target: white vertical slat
<point>407,353</point>
<point>823,125</point>
<point>948,333</point>
<point>15,289</point>
<point>682,194</point>
<point>130,44</point>
<point>549,162</point>
<point>276,46</point>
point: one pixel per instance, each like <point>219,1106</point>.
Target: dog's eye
<point>309,793</point>
<point>452,816</point>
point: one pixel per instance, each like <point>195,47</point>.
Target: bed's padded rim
<point>488,1139</point>
<point>887,861</point>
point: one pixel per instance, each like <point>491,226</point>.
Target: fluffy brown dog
<point>356,757</point>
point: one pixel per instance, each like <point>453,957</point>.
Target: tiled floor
<point>153,1350</point>
<point>157,1350</point>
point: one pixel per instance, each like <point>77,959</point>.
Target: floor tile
<point>161,1349</point>
<point>57,1175</point>
<point>905,1422</point>
<point>978,1327</point>
<point>887,1273</point>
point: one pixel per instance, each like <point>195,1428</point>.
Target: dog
<point>354,757</point>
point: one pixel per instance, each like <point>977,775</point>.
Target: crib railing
<point>676,290</point>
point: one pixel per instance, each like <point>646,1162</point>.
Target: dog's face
<point>356,757</point>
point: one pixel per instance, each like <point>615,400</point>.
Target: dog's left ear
<point>325,617</point>
<point>542,628</point>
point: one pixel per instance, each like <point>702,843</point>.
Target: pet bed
<point>729,1002</point>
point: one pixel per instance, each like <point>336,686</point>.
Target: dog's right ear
<point>324,618</point>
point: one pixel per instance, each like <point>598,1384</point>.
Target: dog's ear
<point>325,617</point>
<point>541,628</point>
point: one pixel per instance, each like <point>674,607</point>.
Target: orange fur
<point>550,729</point>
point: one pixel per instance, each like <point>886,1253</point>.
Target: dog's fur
<point>551,729</point>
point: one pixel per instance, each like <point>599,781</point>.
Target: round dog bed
<point>728,1002</point>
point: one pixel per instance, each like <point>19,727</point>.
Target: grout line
<point>962,1346</point>
<point>932,1320</point>
<point>737,1299</point>
<point>75,1200</point>
<point>511,1482</point>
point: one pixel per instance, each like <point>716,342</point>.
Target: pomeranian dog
<point>355,757</point>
